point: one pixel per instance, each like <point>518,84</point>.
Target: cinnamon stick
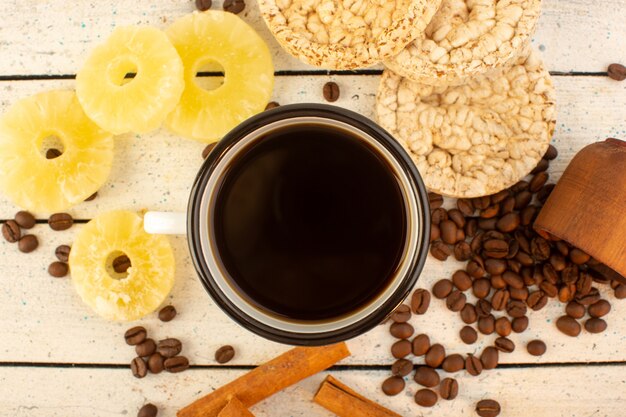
<point>345,402</point>
<point>267,379</point>
<point>235,408</point>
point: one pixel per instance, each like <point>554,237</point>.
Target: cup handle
<point>165,223</point>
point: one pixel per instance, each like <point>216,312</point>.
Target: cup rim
<point>386,306</point>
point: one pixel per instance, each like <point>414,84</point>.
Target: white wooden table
<point>58,359</point>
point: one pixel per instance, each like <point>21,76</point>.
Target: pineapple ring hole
<point>51,146</point>
<point>117,265</point>
<point>121,71</point>
<point>209,75</point>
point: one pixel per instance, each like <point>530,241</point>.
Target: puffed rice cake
<point>466,38</point>
<point>346,34</point>
<point>475,139</point>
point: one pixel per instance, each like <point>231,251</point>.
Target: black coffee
<point>309,223</point>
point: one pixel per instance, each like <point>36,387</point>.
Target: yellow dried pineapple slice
<point>138,104</point>
<point>209,40</point>
<point>116,296</point>
<point>49,185</point>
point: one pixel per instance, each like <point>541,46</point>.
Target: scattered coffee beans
<point>138,367</point>
<point>58,269</point>
<point>402,314</point>
<point>599,309</point>
<point>401,348</point>
<point>331,91</point>
<point>420,301</point>
<point>617,72</point>
<point>420,345</point>
<point>224,354</point>
<point>487,325</point>
<point>568,326</point>
<point>176,364</point>
<point>393,385</point>
<point>468,335</point>
<point>62,253</point>
<point>155,363</point>
<point>203,5</point>
<point>488,408</point>
<point>595,325</point>
<point>449,388</point>
<point>60,221</point>
<point>468,314</point>
<point>148,410</point>
<point>536,347</point>
<point>426,397</point>
<point>489,358</point>
<point>28,243</point>
<point>503,326</point>
<point>456,300</point>
<point>207,149</point>
<point>167,313</point>
<point>453,363</point>
<point>401,367</point>
<point>426,376</point>
<point>168,348</point>
<point>435,355</point>
<point>473,365</point>
<point>401,330</point>
<point>519,324</point>
<point>504,344</point>
<point>135,335</point>
<point>25,220</point>
<point>11,231</point>
<point>442,288</point>
<point>145,348</point>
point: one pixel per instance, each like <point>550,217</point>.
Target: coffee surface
<point>310,223</point>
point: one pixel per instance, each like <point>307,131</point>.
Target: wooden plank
<point>43,320</point>
<point>148,173</point>
<point>553,391</point>
<point>51,38</point>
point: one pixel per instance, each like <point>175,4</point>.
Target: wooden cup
<point>587,207</point>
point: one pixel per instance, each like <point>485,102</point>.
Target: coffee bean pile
<point>12,231</point>
<point>152,356</point>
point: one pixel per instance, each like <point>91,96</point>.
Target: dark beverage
<point>309,223</point>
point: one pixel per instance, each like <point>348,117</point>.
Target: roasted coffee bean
<point>331,91</point>
<point>420,301</point>
<point>60,221</point>
<point>468,335</point>
<point>438,215</point>
<point>135,335</point>
<point>121,264</point>
<point>453,363</point>
<point>449,388</point>
<point>58,269</point>
<point>203,5</point>
<point>465,206</point>
<point>487,408</point>
<point>536,347</point>
<point>477,242</point>
<point>512,279</point>
<point>224,354</point>
<point>457,217</point>
<point>28,243</point>
<point>420,345</point>
<point>495,266</point>
<point>53,153</point>
<point>578,257</point>
<point>558,263</point>
<point>595,325</point>
<point>435,355</point>
<point>167,313</point>
<point>507,205</point>
<point>92,197</point>
<point>522,240</point>
<point>514,265</point>
<point>538,181</point>
<point>489,357</point>
<point>540,248</point>
<point>524,259</point>
<point>62,253</point>
<point>483,308</point>
<point>568,326</point>
<point>462,280</point>
<point>442,288</point>
<point>393,385</point>
<point>584,283</point>
<point>617,72</point>
<point>551,153</point>
<point>401,348</point>
<point>460,235</point>
<point>569,274</point>
<point>475,269</point>
<point>516,308</point>
<point>519,187</point>
<point>541,166</point>
<point>487,224</point>
<point>473,365</point>
<point>24,219</point>
<point>490,212</point>
<point>11,231</point>
<point>537,300</point>
<point>236,7</point>
<point>504,344</point>
<point>481,203</point>
<point>207,149</point>
<point>426,397</point>
<point>435,233</point>
<point>272,105</point>
<point>448,231</point>
<point>620,291</point>
<point>545,192</point>
<point>566,293</point>
<point>155,363</point>
<point>528,276</point>
<point>527,215</point>
<point>481,288</point>
<point>402,314</point>
<point>148,410</point>
<point>495,248</point>
<point>575,310</point>
<point>468,314</point>
<point>503,326</point>
<point>487,325</point>
<point>401,330</point>
<point>520,294</point>
<point>462,251</point>
<point>138,367</point>
<point>549,273</point>
<point>497,282</point>
<point>145,348</point>
<point>549,289</point>
<point>426,376</point>
<point>169,348</point>
<point>401,367</point>
<point>500,299</point>
<point>176,364</point>
<point>509,222</point>
<point>499,196</point>
<point>591,297</point>
<point>434,200</point>
<point>471,227</point>
<point>513,249</point>
<point>519,324</point>
<point>440,250</point>
<point>522,199</point>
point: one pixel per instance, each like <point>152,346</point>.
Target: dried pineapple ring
<point>49,185</point>
<point>150,276</point>
<point>140,104</point>
<point>225,39</point>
